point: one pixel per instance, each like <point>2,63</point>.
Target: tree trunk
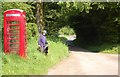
<point>39,16</point>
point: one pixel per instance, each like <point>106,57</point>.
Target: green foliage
<point>66,31</point>
<point>52,14</point>
<point>100,24</point>
<point>57,39</point>
<point>0,62</point>
<point>105,48</point>
<point>1,40</point>
<point>1,18</point>
<point>113,50</point>
<point>57,14</point>
<point>108,48</point>
<point>36,63</point>
<point>83,6</point>
<point>118,48</point>
<point>32,30</point>
<point>20,5</point>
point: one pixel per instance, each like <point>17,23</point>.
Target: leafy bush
<point>118,48</point>
<point>66,31</point>
<point>32,30</point>
<point>20,5</point>
<point>101,48</point>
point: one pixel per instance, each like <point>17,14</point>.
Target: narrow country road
<point>81,62</point>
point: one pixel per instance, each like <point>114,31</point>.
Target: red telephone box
<point>15,40</point>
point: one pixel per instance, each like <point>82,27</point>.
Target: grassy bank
<point>36,62</point>
<point>0,62</point>
<point>99,47</point>
<point>1,53</point>
<point>105,48</point>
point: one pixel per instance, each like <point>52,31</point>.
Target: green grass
<point>0,53</point>
<point>100,47</point>
<point>36,63</point>
<point>105,48</point>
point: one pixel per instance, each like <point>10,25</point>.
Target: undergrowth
<point>36,63</point>
<point>109,48</point>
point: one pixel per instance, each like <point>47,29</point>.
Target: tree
<point>39,16</point>
<point>20,5</point>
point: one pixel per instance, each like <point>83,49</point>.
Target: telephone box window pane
<point>13,22</point>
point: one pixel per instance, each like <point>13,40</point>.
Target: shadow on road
<point>95,48</point>
<point>74,48</point>
<point>77,49</point>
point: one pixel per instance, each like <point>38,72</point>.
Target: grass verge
<point>100,47</point>
<point>105,48</point>
<point>36,63</point>
<point>1,47</point>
